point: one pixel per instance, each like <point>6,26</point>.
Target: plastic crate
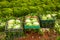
<point>12,29</point>
<point>47,23</point>
<point>31,27</point>
<point>11,35</point>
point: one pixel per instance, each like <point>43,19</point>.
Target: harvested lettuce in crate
<point>47,21</point>
<point>31,22</point>
<point>14,24</point>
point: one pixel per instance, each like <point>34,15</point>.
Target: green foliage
<point>4,4</point>
<point>7,12</point>
<point>24,7</point>
<point>20,11</point>
<point>57,26</point>
<point>58,38</point>
<point>41,32</point>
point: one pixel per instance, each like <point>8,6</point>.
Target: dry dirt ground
<point>36,36</point>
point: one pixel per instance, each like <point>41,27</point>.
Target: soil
<point>35,36</point>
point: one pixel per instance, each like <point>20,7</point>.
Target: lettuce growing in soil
<point>57,26</point>
<point>2,25</point>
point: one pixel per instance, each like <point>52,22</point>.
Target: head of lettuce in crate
<point>14,24</point>
<point>31,22</point>
<point>48,17</point>
<point>47,21</point>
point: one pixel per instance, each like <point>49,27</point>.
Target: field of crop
<point>29,19</point>
<point>30,28</point>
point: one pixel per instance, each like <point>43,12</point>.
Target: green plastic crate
<point>31,27</point>
<point>47,23</point>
